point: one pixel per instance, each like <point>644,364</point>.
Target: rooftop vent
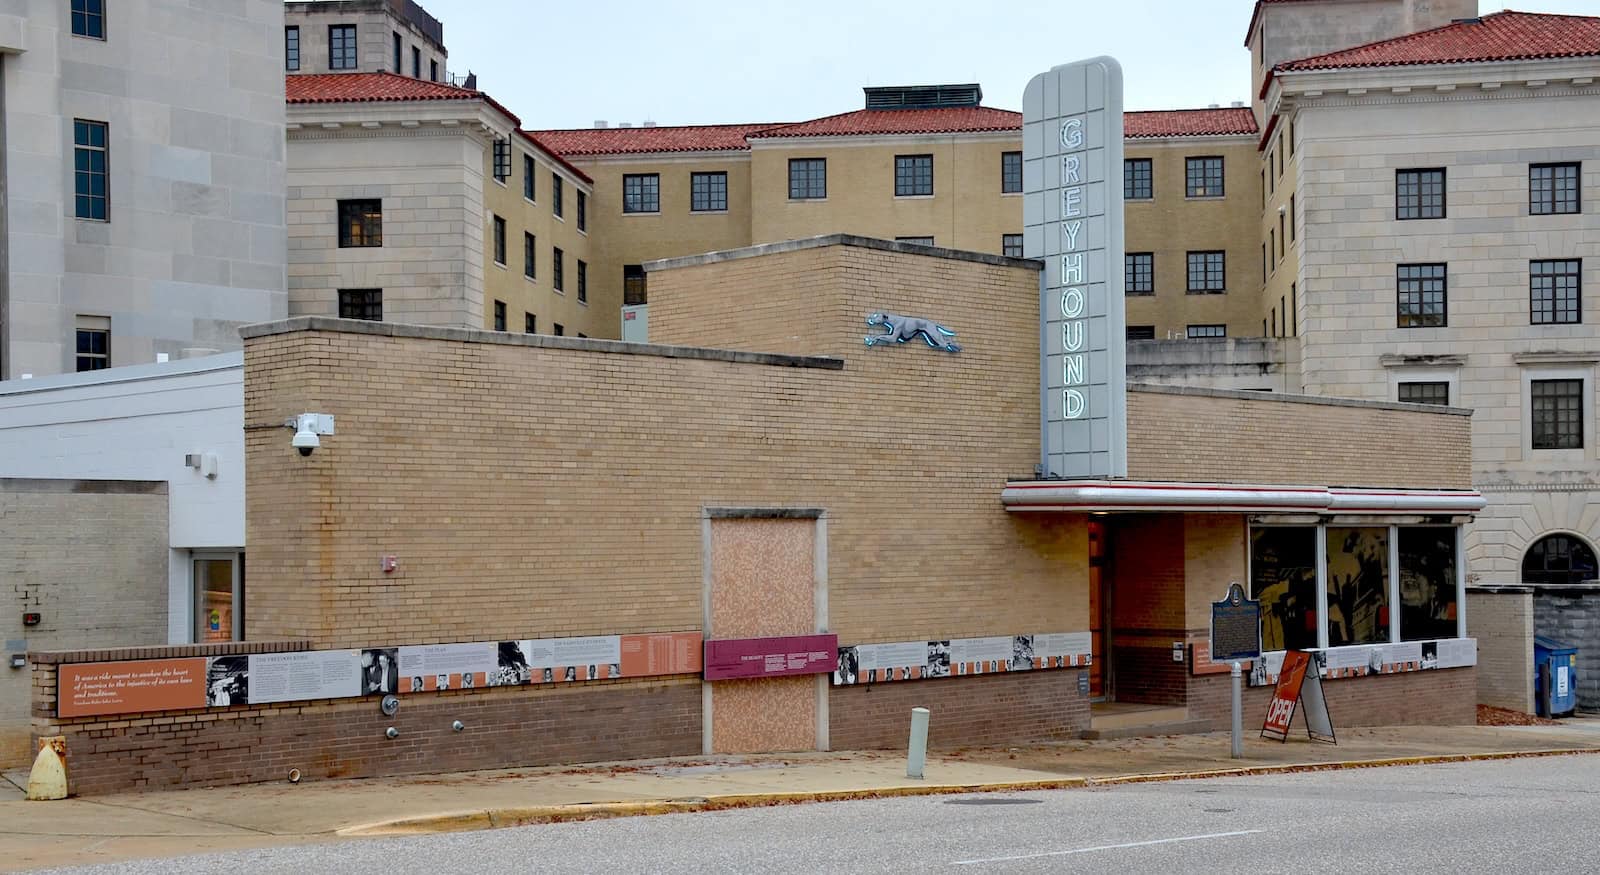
<point>624,124</point>
<point>923,96</point>
<point>1473,20</point>
<point>1213,106</point>
<point>1237,104</point>
<point>647,124</point>
<point>601,123</point>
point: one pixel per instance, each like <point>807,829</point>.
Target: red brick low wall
<point>1441,697</point>
<point>344,738</point>
<point>988,709</point>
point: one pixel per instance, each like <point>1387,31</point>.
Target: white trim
<point>1394,583</point>
<point>1132,495</point>
<point>1322,587</point>
<point>1461,582</point>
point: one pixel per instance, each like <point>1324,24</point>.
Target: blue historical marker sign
<point>1235,627</point>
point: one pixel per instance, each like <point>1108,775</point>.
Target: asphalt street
<point>1530,815</point>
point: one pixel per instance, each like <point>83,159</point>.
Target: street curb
<point>494,818</point>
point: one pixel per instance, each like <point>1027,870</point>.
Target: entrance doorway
<point>218,597</point>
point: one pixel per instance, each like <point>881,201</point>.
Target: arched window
<point>1557,559</point>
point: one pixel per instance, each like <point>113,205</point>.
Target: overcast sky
<point>562,63</point>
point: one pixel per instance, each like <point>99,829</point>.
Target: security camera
<point>305,440</point>
<point>307,427</point>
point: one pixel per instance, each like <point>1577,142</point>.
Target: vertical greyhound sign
<point>1072,221</point>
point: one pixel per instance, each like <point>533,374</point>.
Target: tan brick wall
<point>535,487</point>
<point>1503,624</point>
<point>1439,697</point>
<point>1201,437</point>
<point>91,558</point>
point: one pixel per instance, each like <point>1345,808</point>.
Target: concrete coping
<point>764,513</point>
<point>79,486</point>
<point>127,373</point>
<point>543,341</point>
<point>165,651</point>
<point>1283,397</point>
<point>840,240</point>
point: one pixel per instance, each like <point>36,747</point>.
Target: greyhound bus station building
<point>761,533</point>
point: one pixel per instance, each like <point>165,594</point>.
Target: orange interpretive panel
<point>664,653</point>
<point>90,688</point>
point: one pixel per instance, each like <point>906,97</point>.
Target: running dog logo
<point>899,329</point>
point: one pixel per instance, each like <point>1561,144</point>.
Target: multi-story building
<point>143,209</point>
<point>363,36</point>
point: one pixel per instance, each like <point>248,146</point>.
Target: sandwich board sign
<point>1235,627</point>
<point>1299,681</point>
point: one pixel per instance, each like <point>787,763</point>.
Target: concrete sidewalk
<point>108,828</point>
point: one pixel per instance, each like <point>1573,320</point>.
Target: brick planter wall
<point>988,709</point>
<point>1442,697</point>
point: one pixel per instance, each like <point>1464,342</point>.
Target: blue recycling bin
<point>1555,676</point>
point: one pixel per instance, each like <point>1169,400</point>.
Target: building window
<point>1553,188</point>
<point>502,159</point>
<point>342,47</point>
<point>530,323</point>
<point>1422,295</point>
<point>1207,332</point>
<point>499,241</point>
<point>583,281</point>
<point>1139,273</point>
<point>1557,414</point>
<point>1291,218</point>
<point>1282,237</point>
<point>1010,172</point>
<point>90,177</point>
<point>558,278</point>
<point>708,192</point>
<point>1559,559</point>
<point>1358,585</point>
<point>1419,194</point>
<point>1207,273</point>
<point>1141,332</point>
<point>1011,245</point>
<point>1137,179</point>
<point>915,241</point>
<point>1283,576</point>
<point>416,63</point>
<point>529,247</point>
<point>94,349</point>
<point>641,193</point>
<point>1203,177</point>
<point>560,329</point>
<point>633,285</point>
<point>433,71</point>
<point>583,212</point>
<point>1425,393</point>
<point>527,176</point>
<point>913,175</point>
<point>360,223</point>
<point>396,38</point>
<point>808,179</point>
<point>499,315</point>
<point>89,18</point>
<point>1556,291</point>
<point>361,304</point>
<point>291,47</point>
<point>555,194</point>
<point>1428,593</point>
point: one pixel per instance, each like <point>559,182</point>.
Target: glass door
<point>218,597</point>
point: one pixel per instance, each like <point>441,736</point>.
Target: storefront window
<point>217,599</point>
<point>1427,583</point>
<point>1358,585</point>
<point>1283,575</point>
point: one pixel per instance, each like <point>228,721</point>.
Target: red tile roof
<point>1501,36</point>
<point>866,122</point>
<point>1228,121</point>
<point>626,141</point>
<point>390,87</point>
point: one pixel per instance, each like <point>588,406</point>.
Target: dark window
<point>1283,575</point>
<point>433,71</point>
<point>1425,393</point>
<point>342,47</point>
<point>1557,414</point>
<point>581,335</point>
<point>1137,179</point>
<point>1010,172</point>
<point>416,63</point>
<point>499,315</point>
<point>89,19</point>
<point>708,192</point>
<point>527,176</point>
<point>1011,245</point>
<point>633,285</point>
<point>94,349</point>
<point>502,159</point>
<point>1358,585</point>
<point>1419,194</point>
<point>1201,332</point>
<point>360,223</point>
<point>1553,188</point>
<point>1558,559</point>
<point>91,180</point>
<point>1428,607</point>
<point>1141,332</point>
<point>530,323</point>
<point>1423,296</point>
<point>560,329</point>
<point>499,240</point>
<point>641,193</point>
<point>1139,273</point>
<point>560,269</point>
<point>1203,177</point>
<point>361,304</point>
<point>808,178</point>
<point>529,259</point>
<point>1282,237</point>
<point>1272,245</point>
<point>583,212</point>
<point>555,193</point>
<point>1207,273</point>
<point>913,175</point>
<point>397,69</point>
<point>1293,288</point>
<point>583,281</point>
<point>291,47</point>
<point>917,241</point>
<point>1291,218</point>
<point>1556,291</point>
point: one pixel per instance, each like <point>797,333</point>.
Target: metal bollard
<point>917,751</point>
<point>1238,711</point>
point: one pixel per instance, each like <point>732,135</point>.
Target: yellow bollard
<point>48,780</point>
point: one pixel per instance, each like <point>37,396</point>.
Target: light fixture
<point>19,660</point>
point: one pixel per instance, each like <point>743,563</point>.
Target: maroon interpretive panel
<point>770,657</point>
